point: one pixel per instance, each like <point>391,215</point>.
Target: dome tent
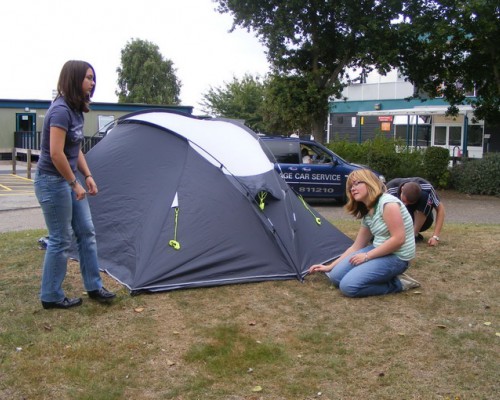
<point>190,202</point>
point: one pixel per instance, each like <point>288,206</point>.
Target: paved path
<point>19,209</point>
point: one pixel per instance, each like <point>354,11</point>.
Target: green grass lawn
<point>270,340</point>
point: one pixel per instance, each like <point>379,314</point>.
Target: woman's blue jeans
<point>64,215</point>
<point>372,278</point>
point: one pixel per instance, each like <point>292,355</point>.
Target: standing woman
<point>61,196</point>
<point>371,269</point>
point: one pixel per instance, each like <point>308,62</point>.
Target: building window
<point>424,136</point>
<point>423,133</point>
<point>475,135</point>
<point>455,136</point>
<point>105,123</point>
<point>440,135</point>
<point>401,132</point>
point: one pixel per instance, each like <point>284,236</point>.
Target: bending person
<point>367,269</point>
<point>420,199</point>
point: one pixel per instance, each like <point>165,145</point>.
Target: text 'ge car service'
<point>310,168</point>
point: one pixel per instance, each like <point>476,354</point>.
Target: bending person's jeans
<point>64,215</point>
<point>372,278</point>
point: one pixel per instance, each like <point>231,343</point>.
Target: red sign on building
<point>386,118</point>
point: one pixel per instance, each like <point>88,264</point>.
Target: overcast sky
<point>38,36</point>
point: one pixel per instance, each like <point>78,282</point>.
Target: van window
<point>317,154</point>
<point>285,152</point>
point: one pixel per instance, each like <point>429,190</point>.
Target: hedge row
<point>394,159</point>
<point>478,176</point>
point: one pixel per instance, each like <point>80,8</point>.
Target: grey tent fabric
<point>171,214</point>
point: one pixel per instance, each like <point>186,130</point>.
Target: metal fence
<point>89,142</point>
<point>26,150</point>
<point>27,140</point>
<point>32,141</point>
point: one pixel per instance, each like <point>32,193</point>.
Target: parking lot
<point>16,190</point>
<point>19,208</point>
<point>15,185</point>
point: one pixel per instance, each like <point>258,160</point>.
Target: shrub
<point>436,161</point>
<point>381,154</point>
<point>410,163</point>
<point>385,155</point>
<point>351,151</point>
<point>478,176</point>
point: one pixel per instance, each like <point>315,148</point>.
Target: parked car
<point>310,168</point>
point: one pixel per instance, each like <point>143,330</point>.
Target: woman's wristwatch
<point>436,238</point>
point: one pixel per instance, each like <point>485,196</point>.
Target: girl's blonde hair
<point>375,189</point>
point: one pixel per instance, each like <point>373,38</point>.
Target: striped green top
<point>377,226</point>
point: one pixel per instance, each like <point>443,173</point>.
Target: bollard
<point>14,161</point>
<point>28,167</point>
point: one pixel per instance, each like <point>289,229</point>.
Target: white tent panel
<point>220,142</point>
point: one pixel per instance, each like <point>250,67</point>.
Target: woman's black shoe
<point>102,295</point>
<point>64,303</point>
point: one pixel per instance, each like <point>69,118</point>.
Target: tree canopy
<point>145,76</point>
<point>315,42</point>
<point>292,104</point>
<point>267,105</point>
<point>239,99</point>
<point>450,48</point>
<point>312,45</point>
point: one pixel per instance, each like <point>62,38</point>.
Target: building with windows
<point>381,104</point>
<point>21,121</point>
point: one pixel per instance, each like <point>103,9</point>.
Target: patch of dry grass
<point>270,340</point>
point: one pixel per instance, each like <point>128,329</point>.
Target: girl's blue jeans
<point>372,278</point>
<point>64,215</point>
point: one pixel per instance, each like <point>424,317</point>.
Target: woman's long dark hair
<point>70,85</point>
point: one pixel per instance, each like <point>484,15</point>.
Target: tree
<point>313,43</point>
<point>445,47</point>
<point>269,105</point>
<point>450,48</point>
<point>145,76</point>
<point>292,104</point>
<point>239,99</point>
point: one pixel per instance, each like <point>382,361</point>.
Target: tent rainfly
<point>190,202</point>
